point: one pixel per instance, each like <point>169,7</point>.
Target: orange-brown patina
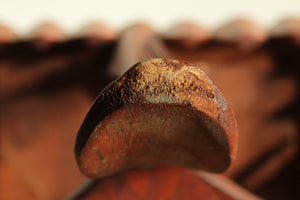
<point>161,112</point>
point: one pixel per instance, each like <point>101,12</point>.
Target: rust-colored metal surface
<point>48,85</point>
<point>161,112</point>
<point>163,183</point>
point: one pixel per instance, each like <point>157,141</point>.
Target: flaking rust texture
<point>42,80</point>
<point>161,112</point>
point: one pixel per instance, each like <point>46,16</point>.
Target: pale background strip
<point>23,15</point>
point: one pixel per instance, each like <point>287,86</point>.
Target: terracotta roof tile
<point>98,31</point>
<point>49,32</point>
<point>289,27</point>
<point>46,34</point>
<point>244,32</point>
<point>188,34</point>
<point>7,35</point>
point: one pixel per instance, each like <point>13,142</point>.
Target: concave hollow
<point>149,135</point>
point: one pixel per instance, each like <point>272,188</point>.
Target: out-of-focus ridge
<point>242,31</point>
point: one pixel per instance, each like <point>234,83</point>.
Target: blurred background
<point>56,56</point>
<point>71,15</point>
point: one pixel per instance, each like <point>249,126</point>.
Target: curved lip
<point>100,109</point>
<point>93,117</point>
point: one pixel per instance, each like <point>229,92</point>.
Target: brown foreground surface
<point>48,82</point>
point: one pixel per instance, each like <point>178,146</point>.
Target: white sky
<point>23,15</point>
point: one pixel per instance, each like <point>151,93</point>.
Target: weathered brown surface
<point>162,183</point>
<point>247,82</point>
<point>259,77</point>
<point>160,112</point>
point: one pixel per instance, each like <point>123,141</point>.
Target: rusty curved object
<point>162,183</point>
<point>161,112</point>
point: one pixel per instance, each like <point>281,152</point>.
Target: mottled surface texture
<point>49,80</point>
<point>161,112</point>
